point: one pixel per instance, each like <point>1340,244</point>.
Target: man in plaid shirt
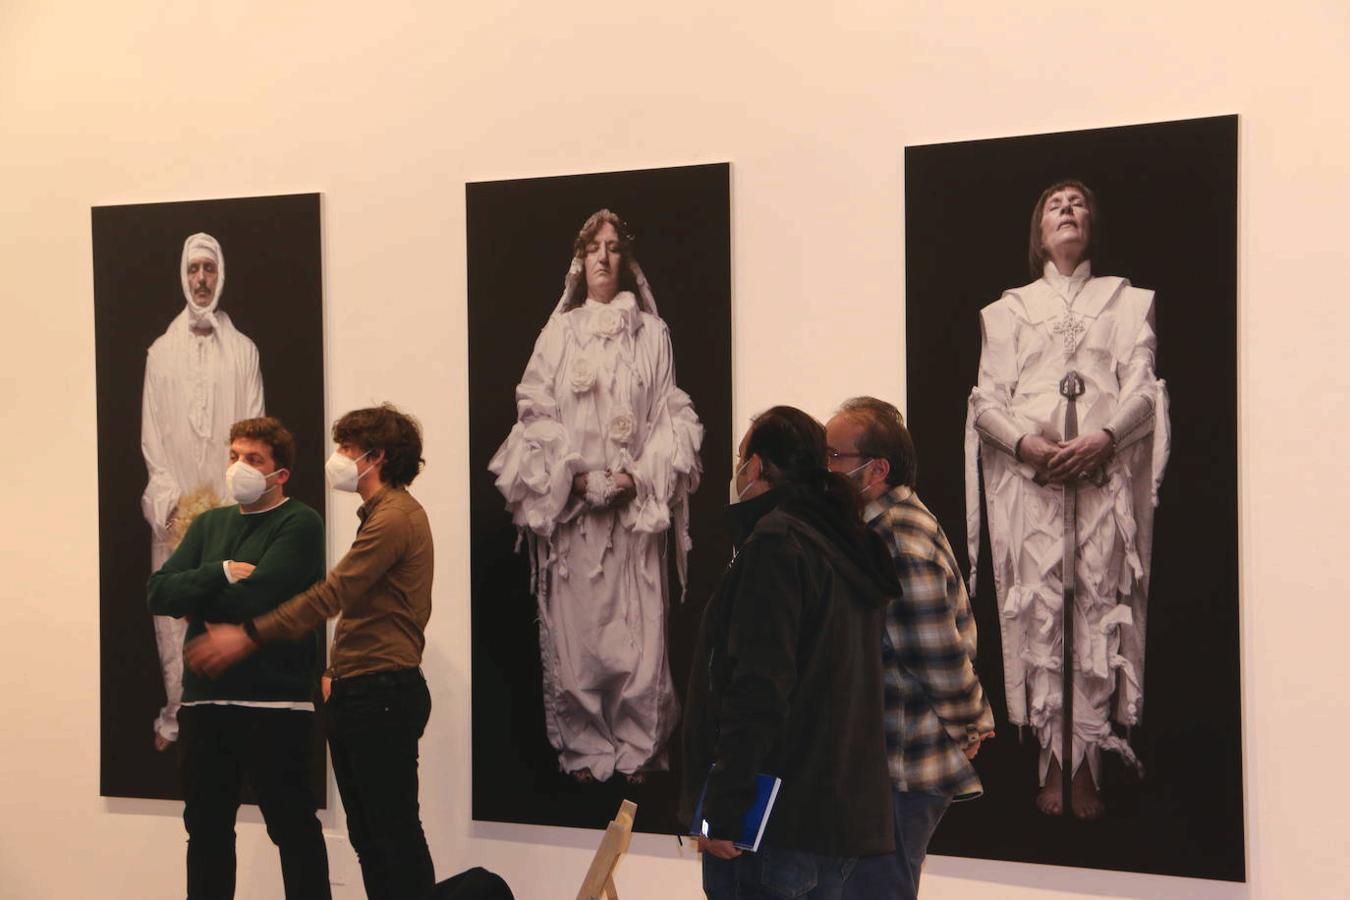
<point>936,713</point>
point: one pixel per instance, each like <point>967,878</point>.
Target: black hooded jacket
<point>787,681</point>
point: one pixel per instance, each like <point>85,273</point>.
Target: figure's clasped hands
<point>1063,461</point>
<point>621,488</point>
<point>625,488</point>
<point>1080,457</point>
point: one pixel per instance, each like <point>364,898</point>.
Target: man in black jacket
<point>787,675</point>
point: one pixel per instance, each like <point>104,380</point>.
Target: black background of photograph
<point>1168,205</point>
<point>274,295</point>
<point>520,237</point>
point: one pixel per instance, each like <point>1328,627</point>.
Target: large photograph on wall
<point>600,398</point>
<point>1071,339</point>
<point>205,313</point>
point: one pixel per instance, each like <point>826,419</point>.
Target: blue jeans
<point>776,873</point>
<point>896,875</point>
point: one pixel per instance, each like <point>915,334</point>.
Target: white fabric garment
<point>196,387</point>
<point>1103,329</point>
<point>599,393</point>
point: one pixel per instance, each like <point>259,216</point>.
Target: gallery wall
<point>388,110</point>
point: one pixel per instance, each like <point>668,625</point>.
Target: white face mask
<point>854,471</point>
<point>736,494</point>
<point>245,483</point>
<point>341,471</point>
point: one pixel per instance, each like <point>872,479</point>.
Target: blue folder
<point>756,817</point>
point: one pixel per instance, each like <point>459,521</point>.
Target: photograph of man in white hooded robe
<point>197,305</point>
<point>201,376</point>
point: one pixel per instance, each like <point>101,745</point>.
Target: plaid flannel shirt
<point>935,707</point>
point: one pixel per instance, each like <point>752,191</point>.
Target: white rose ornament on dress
<point>581,376</point>
<point>608,322</point>
<point>621,426</point>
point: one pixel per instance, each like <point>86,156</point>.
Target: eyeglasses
<point>835,454</point>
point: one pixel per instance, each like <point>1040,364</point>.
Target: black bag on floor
<point>473,884</point>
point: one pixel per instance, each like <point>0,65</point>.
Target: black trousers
<point>222,745</point>
<point>374,724</point>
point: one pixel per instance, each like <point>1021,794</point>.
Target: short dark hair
<point>385,427</point>
<point>884,436</point>
<point>792,450</point>
<point>1036,255</point>
<point>271,432</point>
<point>790,444</point>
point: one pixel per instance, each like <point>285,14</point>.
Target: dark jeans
<point>775,873</point>
<point>374,723</point>
<point>896,875</point>
<point>221,745</point>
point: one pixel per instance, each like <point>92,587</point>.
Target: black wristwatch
<point>252,631</point>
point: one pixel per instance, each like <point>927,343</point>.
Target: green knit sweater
<point>286,544</point>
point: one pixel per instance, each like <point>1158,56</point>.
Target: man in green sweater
<point>256,719</point>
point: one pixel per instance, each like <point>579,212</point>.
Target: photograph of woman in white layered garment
<point>597,473</point>
<point>1049,441</point>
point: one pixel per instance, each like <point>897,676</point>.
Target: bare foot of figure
<point>162,743</point>
<point>583,776</point>
<point>1087,803</point>
<point>1050,799</point>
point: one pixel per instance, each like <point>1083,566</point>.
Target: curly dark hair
<point>1036,255</point>
<point>271,432</point>
<point>385,427</point>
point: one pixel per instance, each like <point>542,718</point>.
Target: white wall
<point>389,108</point>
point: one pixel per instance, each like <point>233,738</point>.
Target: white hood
<point>196,246</point>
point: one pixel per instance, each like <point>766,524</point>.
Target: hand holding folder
<point>756,817</point>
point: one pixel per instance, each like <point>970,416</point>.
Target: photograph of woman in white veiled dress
<point>597,473</point>
<point>599,396</point>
